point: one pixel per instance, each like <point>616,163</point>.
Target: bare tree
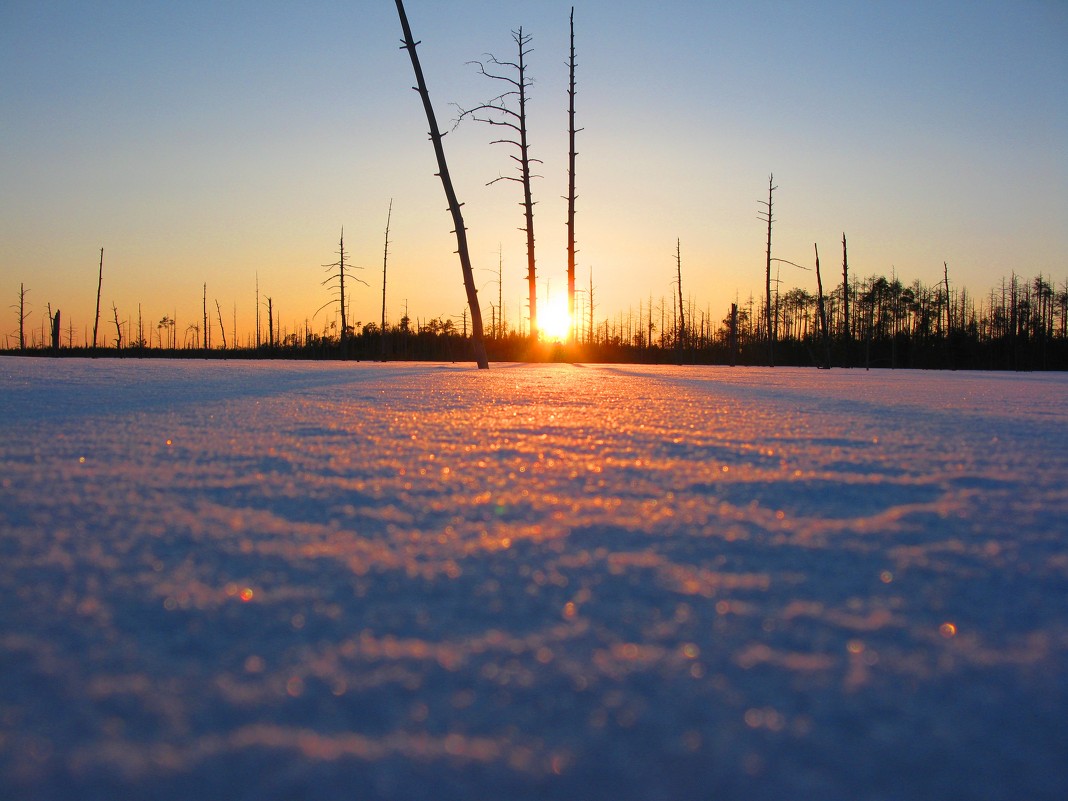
<point>207,329</point>
<point>499,112</point>
<point>343,270</point>
<point>257,310</point>
<point>385,259</point>
<point>99,284</point>
<point>118,327</point>
<point>571,184</point>
<point>845,295</point>
<point>732,334</point>
<point>949,315</point>
<point>681,340</point>
<point>222,328</point>
<point>766,216</point>
<point>450,194</point>
<point>21,307</point>
<point>822,312</point>
<point>270,322</point>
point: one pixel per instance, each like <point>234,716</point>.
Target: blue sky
<point>203,142</point>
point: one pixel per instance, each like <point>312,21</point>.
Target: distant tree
<point>99,284</point>
<point>766,216</point>
<point>847,331</point>
<point>21,308</point>
<point>450,194</point>
<point>270,322</point>
<point>55,331</point>
<point>163,325</point>
<point>822,308</point>
<point>118,327</point>
<point>385,259</point>
<point>258,337</point>
<point>343,270</point>
<point>680,340</point>
<point>222,328</point>
<point>499,112</point>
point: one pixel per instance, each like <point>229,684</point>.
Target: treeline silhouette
<point>876,322</point>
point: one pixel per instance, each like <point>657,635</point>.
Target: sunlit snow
<point>351,581</point>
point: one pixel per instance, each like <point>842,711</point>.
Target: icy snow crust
<point>341,581</point>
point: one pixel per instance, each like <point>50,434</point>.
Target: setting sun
<point>554,323</point>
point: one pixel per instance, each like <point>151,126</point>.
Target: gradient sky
<point>208,142</point>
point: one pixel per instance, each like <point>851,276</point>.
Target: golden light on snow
<point>539,576</point>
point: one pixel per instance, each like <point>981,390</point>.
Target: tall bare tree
<point>571,184</point>
<point>450,194</point>
<point>769,318</point>
<point>508,110</point>
<point>385,259</point>
<point>845,294</point>
<point>681,340</point>
<point>270,322</point>
<point>258,336</point>
<point>343,271</point>
<point>99,284</point>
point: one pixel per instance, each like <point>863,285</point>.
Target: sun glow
<point>554,323</point>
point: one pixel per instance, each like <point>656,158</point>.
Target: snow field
<point>293,580</point>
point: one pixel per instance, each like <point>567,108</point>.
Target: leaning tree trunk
<point>99,284</point>
<point>450,195</point>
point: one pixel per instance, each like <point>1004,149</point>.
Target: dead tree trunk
<point>99,283</point>
<point>450,194</point>
<point>845,299</point>
<point>118,328</point>
<point>571,186</point>
<point>207,330</point>
<point>55,331</point>
<point>258,335</point>
<point>222,328</point>
<point>499,113</point>
<point>343,270</point>
<point>949,310</point>
<point>681,338</point>
<point>385,259</point>
<point>766,216</point>
<point>22,316</point>
<point>732,340</point>
<point>822,308</point>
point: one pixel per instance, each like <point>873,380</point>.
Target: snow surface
<point>355,581</point>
